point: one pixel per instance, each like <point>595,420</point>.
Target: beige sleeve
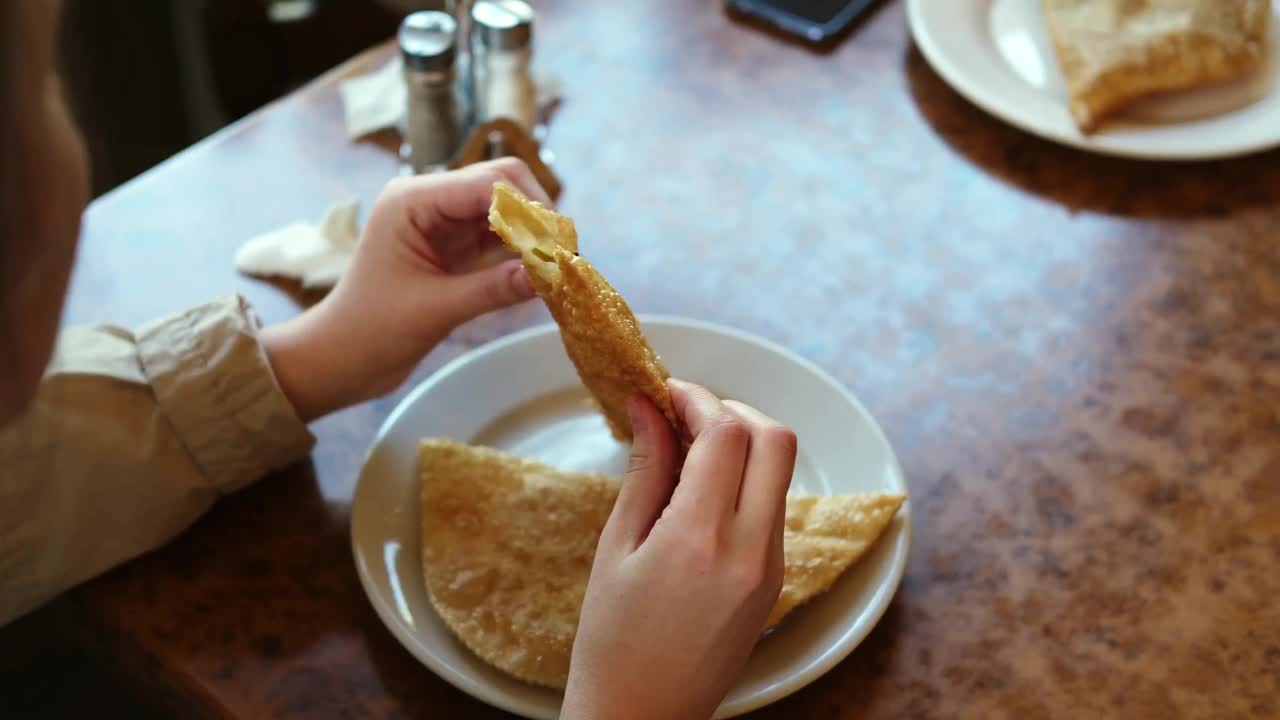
<point>131,438</point>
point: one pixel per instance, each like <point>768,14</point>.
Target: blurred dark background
<point>147,78</point>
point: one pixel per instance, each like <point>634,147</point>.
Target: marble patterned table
<point>1076,358</point>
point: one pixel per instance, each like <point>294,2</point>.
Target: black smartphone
<point>814,20</point>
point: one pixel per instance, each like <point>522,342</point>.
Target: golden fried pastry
<point>1113,52</point>
<point>824,535</point>
<point>600,333</point>
<point>507,547</point>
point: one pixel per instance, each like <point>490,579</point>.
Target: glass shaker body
<point>504,86</point>
<point>436,107</point>
<point>435,121</point>
<point>501,35</point>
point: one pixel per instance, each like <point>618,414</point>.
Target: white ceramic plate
<point>997,54</point>
<point>522,395</point>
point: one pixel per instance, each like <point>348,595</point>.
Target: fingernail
<point>637,417</point>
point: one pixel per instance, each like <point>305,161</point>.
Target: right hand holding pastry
<point>685,574</point>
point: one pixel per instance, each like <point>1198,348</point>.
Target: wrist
<point>583,702</point>
<point>310,365</point>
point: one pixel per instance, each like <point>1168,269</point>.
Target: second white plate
<point>997,54</point>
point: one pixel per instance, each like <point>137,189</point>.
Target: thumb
<point>493,288</point>
<point>650,480</point>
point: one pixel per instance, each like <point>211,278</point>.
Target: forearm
<point>310,375</point>
<point>586,699</point>
<point>322,358</point>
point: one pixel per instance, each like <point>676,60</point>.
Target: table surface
<point>1076,358</point>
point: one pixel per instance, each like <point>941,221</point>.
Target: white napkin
<point>316,255</point>
<point>375,101</point>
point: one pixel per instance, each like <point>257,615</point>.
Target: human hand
<point>685,575</point>
<point>413,279</point>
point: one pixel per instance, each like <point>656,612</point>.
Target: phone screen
<point>814,19</point>
<point>815,11</point>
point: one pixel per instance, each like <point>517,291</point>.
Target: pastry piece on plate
<point>507,547</point>
<point>600,333</point>
<point>1114,52</point>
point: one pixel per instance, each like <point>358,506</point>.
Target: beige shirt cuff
<point>213,380</point>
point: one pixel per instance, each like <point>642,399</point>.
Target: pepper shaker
<point>436,117</point>
<point>501,48</point>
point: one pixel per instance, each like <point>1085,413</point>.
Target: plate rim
<point>878,601</point>
<point>955,77</point>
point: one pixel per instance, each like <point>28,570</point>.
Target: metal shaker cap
<point>428,40</point>
<point>502,24</point>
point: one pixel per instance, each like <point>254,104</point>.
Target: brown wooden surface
<point>1076,358</point>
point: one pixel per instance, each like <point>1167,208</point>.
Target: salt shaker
<point>436,118</point>
<point>501,47</point>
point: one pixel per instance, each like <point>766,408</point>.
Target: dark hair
<point>9,144</point>
<point>9,201</point>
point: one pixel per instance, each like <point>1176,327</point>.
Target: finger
<point>463,297</point>
<point>712,473</point>
<point>463,195</point>
<point>695,405</point>
<point>470,246</point>
<point>651,476</point>
<point>516,172</point>
<point>770,465</point>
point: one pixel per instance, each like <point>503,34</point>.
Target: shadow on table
<point>1085,181</point>
<point>63,661</point>
<point>303,297</point>
<point>48,672</point>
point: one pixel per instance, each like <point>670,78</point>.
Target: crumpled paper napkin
<point>316,255</point>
